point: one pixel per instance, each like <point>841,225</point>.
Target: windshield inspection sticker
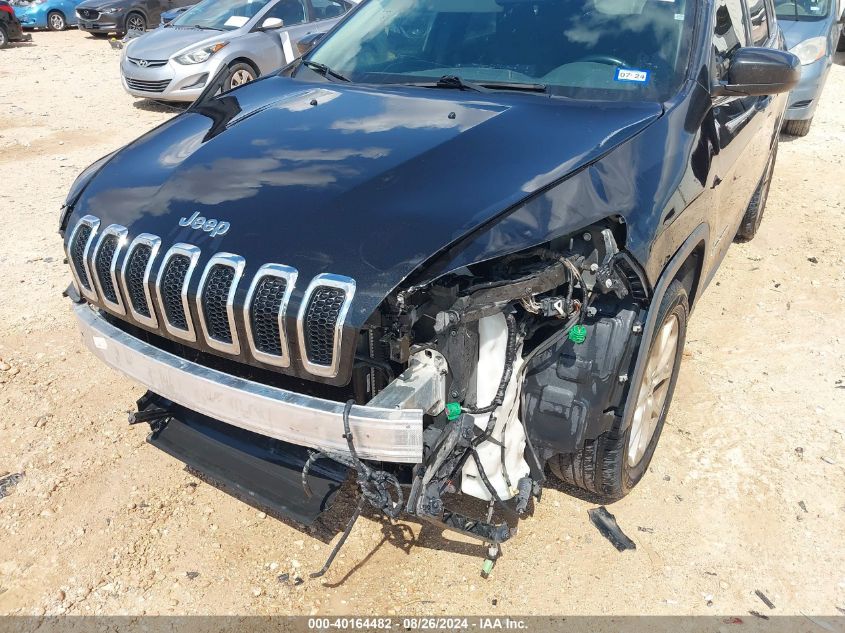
<point>237,21</point>
<point>630,74</point>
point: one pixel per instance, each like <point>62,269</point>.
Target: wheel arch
<point>140,11</point>
<point>686,266</point>
<point>243,59</point>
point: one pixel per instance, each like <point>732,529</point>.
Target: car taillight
<point>7,8</point>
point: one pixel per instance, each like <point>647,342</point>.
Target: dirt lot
<point>746,492</point>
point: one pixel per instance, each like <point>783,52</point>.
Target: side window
<point>325,9</point>
<point>757,12</point>
<point>291,12</point>
<point>729,34</point>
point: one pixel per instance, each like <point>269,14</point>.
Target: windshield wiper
<point>206,28</point>
<point>456,83</point>
<point>322,69</point>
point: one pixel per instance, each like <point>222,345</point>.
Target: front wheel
<point>136,22</point>
<point>239,74</point>
<point>56,21</point>
<point>608,467</point>
<point>4,39</point>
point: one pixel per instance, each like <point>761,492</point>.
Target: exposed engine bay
<point>474,345</point>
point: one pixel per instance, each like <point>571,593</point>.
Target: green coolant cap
<point>453,411</point>
<point>578,334</point>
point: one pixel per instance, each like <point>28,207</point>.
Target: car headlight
<point>810,50</point>
<point>199,55</point>
<point>110,11</point>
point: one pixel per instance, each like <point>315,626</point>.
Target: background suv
<point>121,16</point>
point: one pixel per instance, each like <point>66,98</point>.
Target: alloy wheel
<point>135,23</point>
<point>651,398</point>
<point>57,22</point>
<point>240,77</point>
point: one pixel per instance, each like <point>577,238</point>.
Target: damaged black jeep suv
<point>452,245</point>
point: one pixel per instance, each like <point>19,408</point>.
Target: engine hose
<point>507,372</point>
<point>483,474</point>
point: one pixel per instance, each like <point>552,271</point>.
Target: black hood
<point>345,179</point>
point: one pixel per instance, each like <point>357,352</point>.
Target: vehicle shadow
<point>395,533</point>
<point>839,58</point>
<point>149,105</point>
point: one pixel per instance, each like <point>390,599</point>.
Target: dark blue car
<point>455,243</point>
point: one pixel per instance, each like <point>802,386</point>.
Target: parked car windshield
<point>802,10</point>
<point>223,15</point>
<point>590,49</point>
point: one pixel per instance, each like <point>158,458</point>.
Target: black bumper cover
<point>254,468</point>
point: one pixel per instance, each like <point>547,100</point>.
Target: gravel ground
<point>746,491</point>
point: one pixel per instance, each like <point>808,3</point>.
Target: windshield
<point>222,15</point>
<point>802,10</point>
<point>590,49</point>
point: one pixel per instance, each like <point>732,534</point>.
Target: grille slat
<point>78,254</point>
<point>215,294</point>
<point>102,264</point>
<point>147,86</point>
<point>170,287</point>
<point>320,321</point>
<point>138,260</point>
<point>264,315</point>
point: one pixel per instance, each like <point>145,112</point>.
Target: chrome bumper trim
<point>391,435</point>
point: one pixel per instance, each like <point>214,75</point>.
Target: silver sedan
<point>248,37</point>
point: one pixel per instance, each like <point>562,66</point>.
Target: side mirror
<point>272,23</point>
<point>308,42</point>
<point>757,72</point>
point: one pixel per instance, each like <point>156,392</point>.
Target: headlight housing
<point>810,50</point>
<point>110,10</point>
<point>199,55</point>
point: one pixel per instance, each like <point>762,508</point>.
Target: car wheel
<point>840,46</point>
<point>754,213</point>
<point>4,39</point>
<point>136,22</point>
<point>608,467</point>
<point>56,21</point>
<point>239,74</point>
<point>797,128</point>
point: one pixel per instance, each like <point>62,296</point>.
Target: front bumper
<point>35,16</point>
<point>171,82</point>
<point>390,435</point>
<point>805,96</point>
<point>105,23</point>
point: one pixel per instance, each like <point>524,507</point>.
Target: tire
<point>239,74</point>
<point>608,467</point>
<point>4,38</point>
<point>754,213</point>
<point>840,46</point>
<point>135,22</point>
<point>56,21</point>
<point>797,128</point>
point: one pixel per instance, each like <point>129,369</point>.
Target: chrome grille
<point>79,246</point>
<point>215,302</point>
<point>172,284</point>
<point>321,318</point>
<point>105,258</point>
<point>147,63</point>
<point>145,277</point>
<point>147,86</point>
<point>265,309</point>
<point>137,268</point>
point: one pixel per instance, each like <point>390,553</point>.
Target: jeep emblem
<point>212,227</point>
